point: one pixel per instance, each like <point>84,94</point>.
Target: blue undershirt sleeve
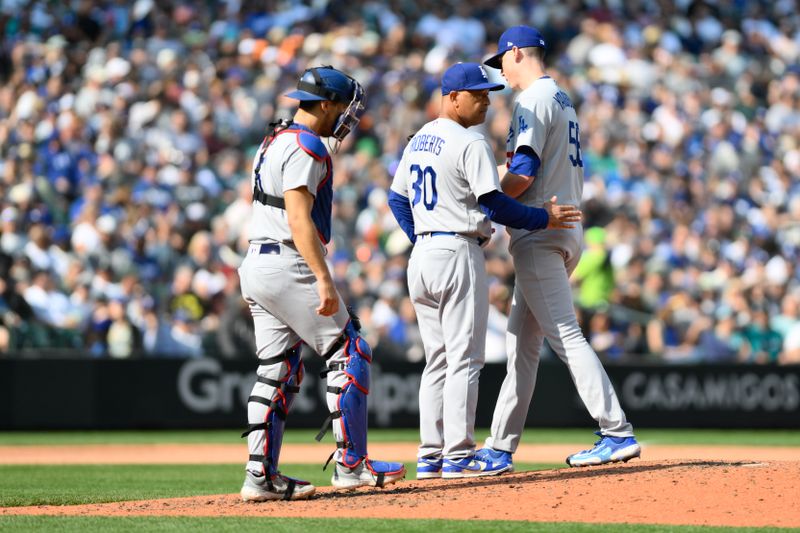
<point>525,162</point>
<point>503,209</point>
<point>401,209</point>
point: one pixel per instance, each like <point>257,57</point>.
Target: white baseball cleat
<point>258,489</point>
<point>367,473</point>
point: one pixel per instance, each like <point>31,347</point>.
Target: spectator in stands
<point>603,339</point>
<point>667,332</point>
<point>183,298</point>
<point>718,339</point>
<point>762,344</point>
<point>386,321</point>
<point>123,340</point>
<point>791,346</point>
<point>789,314</point>
<point>235,337</point>
<point>499,306</point>
<point>594,272</point>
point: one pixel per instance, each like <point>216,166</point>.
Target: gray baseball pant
<point>282,293</point>
<point>542,307</point>
<point>447,283</point>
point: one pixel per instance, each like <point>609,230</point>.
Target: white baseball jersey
<point>545,120</point>
<point>282,167</point>
<point>444,170</point>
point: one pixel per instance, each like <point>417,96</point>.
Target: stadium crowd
<point>127,131</point>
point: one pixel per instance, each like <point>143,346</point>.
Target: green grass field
<point>74,484</point>
<point>772,437</point>
<point>290,525</point>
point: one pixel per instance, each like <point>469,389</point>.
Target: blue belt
<point>270,248</point>
<point>480,240</point>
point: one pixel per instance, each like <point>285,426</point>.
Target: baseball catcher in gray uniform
<point>292,298</point>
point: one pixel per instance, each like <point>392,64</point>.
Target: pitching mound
<point>691,492</point>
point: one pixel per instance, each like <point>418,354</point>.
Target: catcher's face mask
<point>351,116</point>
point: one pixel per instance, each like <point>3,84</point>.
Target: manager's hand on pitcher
<point>562,216</point>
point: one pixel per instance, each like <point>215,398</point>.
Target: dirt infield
<point>720,486</point>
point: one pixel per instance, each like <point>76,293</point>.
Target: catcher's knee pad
<point>350,412</point>
<point>269,404</point>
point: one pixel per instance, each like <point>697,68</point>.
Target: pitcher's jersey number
<point>575,140</point>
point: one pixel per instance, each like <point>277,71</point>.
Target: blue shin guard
<point>348,387</point>
<point>350,414</point>
<point>277,394</point>
<point>352,401</point>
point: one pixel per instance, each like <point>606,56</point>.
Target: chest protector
<point>310,143</point>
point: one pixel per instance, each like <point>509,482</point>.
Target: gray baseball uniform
<point>278,284</point>
<point>444,170</point>
<point>545,120</point>
<point>290,302</point>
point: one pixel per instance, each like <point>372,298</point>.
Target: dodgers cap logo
<point>467,77</point>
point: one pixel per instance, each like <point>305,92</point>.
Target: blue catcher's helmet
<point>324,83</point>
<point>327,83</point>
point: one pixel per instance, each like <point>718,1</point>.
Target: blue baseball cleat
<point>607,450</point>
<point>471,466</point>
<point>429,468</point>
<point>498,457</point>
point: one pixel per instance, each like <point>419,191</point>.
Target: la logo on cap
<point>509,43</point>
<point>483,72</point>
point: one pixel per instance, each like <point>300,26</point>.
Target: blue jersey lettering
<point>427,143</point>
<point>510,133</point>
<point>562,99</point>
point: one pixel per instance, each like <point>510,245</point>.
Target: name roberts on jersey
<point>426,143</point>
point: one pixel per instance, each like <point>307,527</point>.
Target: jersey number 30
<point>424,187</point>
<point>575,139</point>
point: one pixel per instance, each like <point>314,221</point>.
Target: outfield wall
<point>209,393</point>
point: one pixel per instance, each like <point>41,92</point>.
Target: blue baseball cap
<point>519,36</point>
<point>467,77</point>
